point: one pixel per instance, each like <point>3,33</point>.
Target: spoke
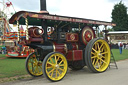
<point>56,73</point>
<point>94,50</point>
<point>103,57</point>
<point>96,62</point>
<point>31,61</point>
<point>51,60</point>
<point>92,53</point>
<point>51,71</point>
<point>34,58</point>
<point>93,57</point>
<point>58,58</point>
<point>95,46</point>
<point>98,65</point>
<point>102,49</point>
<point>38,69</point>
<point>100,62</point>
<point>49,67</point>
<point>61,65</point>
<point>98,46</point>
<point>104,53</point>
<point>50,63</point>
<point>29,66</point>
<point>93,61</point>
<point>33,70</point>
<point>61,69</point>
<point>55,60</point>
<point>104,61</point>
<point>101,45</point>
<point>61,62</point>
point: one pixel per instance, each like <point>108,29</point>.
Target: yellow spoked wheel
<point>33,65</point>
<point>55,66</point>
<point>97,55</point>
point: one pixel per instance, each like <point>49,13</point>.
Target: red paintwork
<point>72,37</point>
<point>63,47</point>
<point>33,32</point>
<point>16,54</point>
<point>34,35</point>
<point>69,56</point>
<point>72,54</point>
<point>24,56</point>
<point>25,14</point>
<point>87,34</point>
<point>59,47</point>
<point>75,55</point>
<point>35,40</point>
<point>26,51</point>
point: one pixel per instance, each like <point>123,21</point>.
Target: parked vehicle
<point>73,43</point>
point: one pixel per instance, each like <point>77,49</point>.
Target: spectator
<point>3,50</point>
<point>120,44</point>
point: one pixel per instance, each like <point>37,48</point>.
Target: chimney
<point>44,22</point>
<point>43,5</point>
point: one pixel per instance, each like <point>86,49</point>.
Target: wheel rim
<point>100,55</point>
<point>34,66</point>
<point>56,66</point>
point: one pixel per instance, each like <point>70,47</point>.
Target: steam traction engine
<point>72,42</point>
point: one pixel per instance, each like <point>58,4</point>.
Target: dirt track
<point>83,77</point>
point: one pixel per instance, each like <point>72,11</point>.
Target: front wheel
<point>97,55</point>
<point>55,66</point>
<point>34,65</point>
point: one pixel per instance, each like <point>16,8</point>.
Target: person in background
<point>3,50</point>
<point>120,44</point>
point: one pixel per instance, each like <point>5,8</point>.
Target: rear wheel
<point>33,65</point>
<point>97,55</point>
<point>55,66</point>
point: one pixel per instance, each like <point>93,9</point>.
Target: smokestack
<point>43,5</point>
<point>44,22</point>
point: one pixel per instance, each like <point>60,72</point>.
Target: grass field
<point>119,56</point>
<point>10,67</point>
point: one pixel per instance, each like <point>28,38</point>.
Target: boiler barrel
<point>48,47</point>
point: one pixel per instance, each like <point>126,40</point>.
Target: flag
<point>14,25</point>
<point>7,30</point>
<point>8,4</point>
<point>21,28</point>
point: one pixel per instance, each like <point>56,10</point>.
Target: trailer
<point>72,42</point>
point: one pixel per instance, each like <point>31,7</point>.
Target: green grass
<point>119,56</point>
<point>1,46</point>
<point>10,67</point>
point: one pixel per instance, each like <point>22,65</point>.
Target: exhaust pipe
<point>43,5</point>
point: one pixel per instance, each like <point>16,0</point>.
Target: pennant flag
<point>14,25</point>
<point>8,4</point>
<point>7,30</point>
<point>21,28</point>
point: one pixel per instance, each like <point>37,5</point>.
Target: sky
<point>90,9</point>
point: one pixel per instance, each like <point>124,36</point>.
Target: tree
<point>120,17</point>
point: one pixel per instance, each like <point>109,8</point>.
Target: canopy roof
<point>118,32</point>
<point>35,18</point>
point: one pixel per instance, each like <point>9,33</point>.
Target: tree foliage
<point>120,17</point>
